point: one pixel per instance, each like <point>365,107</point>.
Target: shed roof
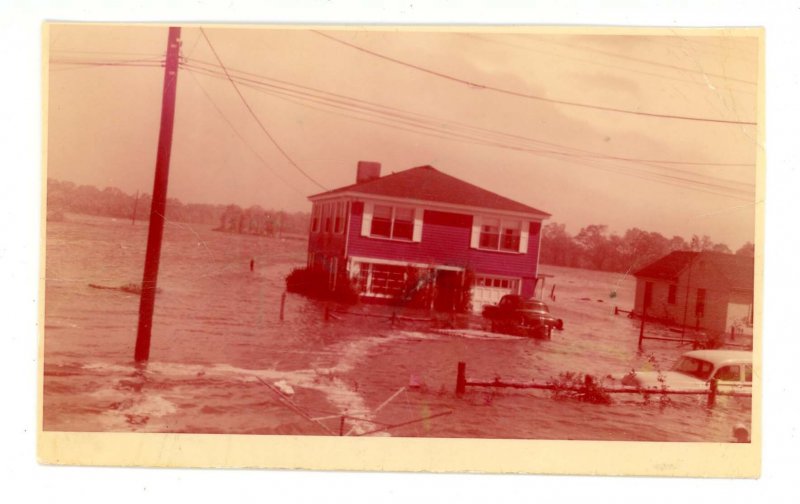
<point>737,269</point>
<point>429,184</point>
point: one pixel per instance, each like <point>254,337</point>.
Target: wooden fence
<point>589,386</point>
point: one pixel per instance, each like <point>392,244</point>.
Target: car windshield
<point>535,306</point>
<point>694,367</point>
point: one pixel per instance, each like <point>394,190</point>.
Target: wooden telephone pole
<point>159,204</point>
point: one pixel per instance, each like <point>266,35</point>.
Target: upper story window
<point>340,216</point>
<point>329,217</point>
<point>392,222</point>
<point>491,233</point>
<point>316,217</point>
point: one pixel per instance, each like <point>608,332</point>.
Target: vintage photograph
<point>418,232</point>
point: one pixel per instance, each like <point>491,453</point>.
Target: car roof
<point>718,357</point>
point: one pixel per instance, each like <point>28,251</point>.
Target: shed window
<point>700,305</point>
<point>672,294</point>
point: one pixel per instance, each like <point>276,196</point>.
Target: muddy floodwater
<point>221,361</point>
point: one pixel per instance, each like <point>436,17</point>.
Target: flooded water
<point>221,360</point>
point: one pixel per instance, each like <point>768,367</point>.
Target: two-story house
<point>426,225</point>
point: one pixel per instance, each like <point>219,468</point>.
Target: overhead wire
<point>255,116</point>
<point>432,126</point>
<point>495,143</point>
<point>415,126</point>
<point>649,62</point>
<point>530,96</point>
<point>594,62</point>
<point>270,81</point>
<point>84,62</point>
<point>242,138</point>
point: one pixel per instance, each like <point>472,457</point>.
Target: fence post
<point>733,331</point>
<point>341,426</point>
<point>283,303</point>
<point>641,328</point>
<point>712,395</point>
<point>461,379</point>
<point>616,310</point>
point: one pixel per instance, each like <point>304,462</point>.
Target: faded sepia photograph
<point>438,233</point>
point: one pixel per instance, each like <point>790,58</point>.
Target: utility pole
<point>159,203</point>
<point>688,291</point>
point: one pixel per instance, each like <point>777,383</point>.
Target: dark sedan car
<point>517,315</point>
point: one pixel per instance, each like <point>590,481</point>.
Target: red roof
<point>737,269</point>
<point>429,184</point>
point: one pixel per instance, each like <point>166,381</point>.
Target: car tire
<point>560,325</point>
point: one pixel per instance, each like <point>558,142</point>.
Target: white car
<point>733,370</point>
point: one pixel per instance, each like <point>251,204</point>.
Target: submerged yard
<point>222,361</point>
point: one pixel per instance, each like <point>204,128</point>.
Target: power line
<point>591,61</point>
<point>253,114</point>
<point>116,53</point>
<point>241,137</point>
<point>693,184</point>
<point>527,95</point>
<point>263,80</point>
<point>65,67</point>
<point>649,62</point>
<point>459,136</point>
<point>443,129</point>
<point>431,126</point>
<point>153,62</point>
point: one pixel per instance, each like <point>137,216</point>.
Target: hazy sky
<point>329,105</point>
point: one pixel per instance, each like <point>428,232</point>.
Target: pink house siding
<point>446,242</point>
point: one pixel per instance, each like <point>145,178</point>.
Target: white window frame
<point>316,213</point>
<point>327,213</point>
<point>517,281</point>
<point>341,215</point>
<point>369,211</point>
<point>505,223</point>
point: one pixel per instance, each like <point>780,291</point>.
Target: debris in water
<point>130,288</point>
<point>284,387</point>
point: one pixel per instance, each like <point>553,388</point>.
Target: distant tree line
<point>64,197</point>
<point>595,248</point>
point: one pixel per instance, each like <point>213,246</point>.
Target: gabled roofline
<point>434,205</point>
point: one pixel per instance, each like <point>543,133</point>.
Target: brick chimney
<point>368,170</point>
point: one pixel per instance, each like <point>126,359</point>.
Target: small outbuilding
<point>705,290</point>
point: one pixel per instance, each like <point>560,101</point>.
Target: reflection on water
<point>218,343</point>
